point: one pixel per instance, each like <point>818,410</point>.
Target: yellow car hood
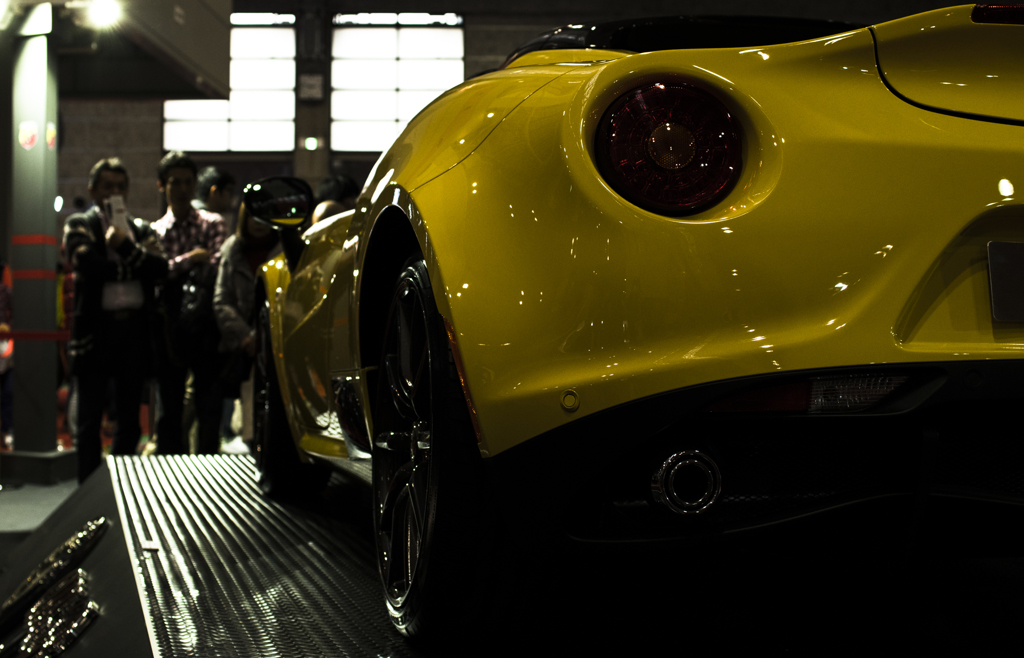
<point>944,61</point>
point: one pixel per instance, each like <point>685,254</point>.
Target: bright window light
<point>411,102</point>
<point>260,113</point>
<point>195,110</point>
<point>437,74</point>
<point>261,136</point>
<point>411,18</point>
<point>263,74</point>
<point>256,18</point>
<point>430,43</point>
<point>429,19</point>
<point>262,43</point>
<point>384,76</point>
<point>364,73</point>
<point>196,135</point>
<point>262,105</point>
<point>365,43</point>
<point>363,135</point>
<point>371,105</point>
<point>366,19</point>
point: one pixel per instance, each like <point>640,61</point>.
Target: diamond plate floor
<point>222,571</point>
<point>225,572</point>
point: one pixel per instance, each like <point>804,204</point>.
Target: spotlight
<point>104,13</point>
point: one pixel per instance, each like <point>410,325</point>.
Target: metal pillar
<point>34,253</point>
<point>312,105</point>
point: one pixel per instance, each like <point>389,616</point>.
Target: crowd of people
<point>169,301</point>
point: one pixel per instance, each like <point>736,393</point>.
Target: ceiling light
<point>104,13</point>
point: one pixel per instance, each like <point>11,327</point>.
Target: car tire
<point>283,475</point>
<point>428,515</point>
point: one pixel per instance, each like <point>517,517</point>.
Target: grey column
<point>34,242</point>
<point>312,109</point>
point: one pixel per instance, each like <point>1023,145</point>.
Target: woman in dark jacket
<point>253,244</point>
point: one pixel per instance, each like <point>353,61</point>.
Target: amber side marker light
<point>670,148</point>
<point>818,395</point>
<point>1005,14</point>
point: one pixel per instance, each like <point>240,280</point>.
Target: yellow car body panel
<point>943,60</point>
<point>275,278</point>
<point>548,57</point>
<point>855,235</point>
<point>454,124</point>
<point>568,286</point>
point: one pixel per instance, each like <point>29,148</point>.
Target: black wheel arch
<point>392,242</point>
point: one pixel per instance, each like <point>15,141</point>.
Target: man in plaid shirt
<point>191,239</point>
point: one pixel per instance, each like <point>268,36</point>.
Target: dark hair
<point>210,176</point>
<point>337,188</point>
<point>245,219</point>
<point>173,160</point>
<point>106,164</point>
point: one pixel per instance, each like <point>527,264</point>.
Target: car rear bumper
<point>937,465</point>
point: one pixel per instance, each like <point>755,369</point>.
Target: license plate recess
<point>1006,280</point>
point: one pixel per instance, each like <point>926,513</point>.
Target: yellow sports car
<point>672,280</point>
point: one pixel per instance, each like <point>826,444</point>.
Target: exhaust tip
<point>688,482</point>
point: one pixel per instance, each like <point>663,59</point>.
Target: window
<point>260,115</point>
<point>386,68</point>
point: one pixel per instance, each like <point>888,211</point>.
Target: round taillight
<point>670,148</point>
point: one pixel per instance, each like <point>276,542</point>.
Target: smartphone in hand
<point>117,214</point>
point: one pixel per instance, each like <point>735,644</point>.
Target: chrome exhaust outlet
<point>688,482</point>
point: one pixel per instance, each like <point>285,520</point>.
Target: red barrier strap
<point>37,238</point>
<point>36,335</point>
<point>34,274</point>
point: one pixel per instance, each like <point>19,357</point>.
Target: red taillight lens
<point>1008,14</point>
<point>670,148</point>
<point>786,397</point>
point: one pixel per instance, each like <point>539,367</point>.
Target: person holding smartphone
<point>117,261</point>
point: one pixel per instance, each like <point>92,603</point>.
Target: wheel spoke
<point>398,543</point>
<point>400,393</point>
<point>416,501</point>
<point>395,491</point>
<point>413,441</point>
<point>402,512</point>
<point>413,355</point>
<point>412,539</point>
<point>402,442</point>
<point>392,441</point>
<point>424,353</point>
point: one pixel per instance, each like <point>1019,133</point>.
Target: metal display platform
<point>196,562</point>
<point>183,556</point>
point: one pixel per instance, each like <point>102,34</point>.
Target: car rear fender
<point>453,126</point>
<point>272,279</point>
<point>398,232</point>
<point>808,263</point>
